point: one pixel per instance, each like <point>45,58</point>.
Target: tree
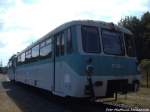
<point>145,21</point>
<point>135,26</point>
<point>145,66</point>
<point>132,23</point>
<point>141,31</point>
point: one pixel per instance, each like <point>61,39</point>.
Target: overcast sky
<point>24,21</point>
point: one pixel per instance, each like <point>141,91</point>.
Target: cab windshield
<point>112,42</point>
<point>90,39</point>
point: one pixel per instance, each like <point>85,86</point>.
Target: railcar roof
<point>78,22</point>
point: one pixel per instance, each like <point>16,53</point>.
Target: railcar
<point>83,58</point>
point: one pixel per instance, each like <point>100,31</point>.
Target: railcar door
<point>53,64</point>
<point>58,62</point>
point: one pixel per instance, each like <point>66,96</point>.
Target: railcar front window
<point>112,43</point>
<point>90,39</point>
<point>130,46</point>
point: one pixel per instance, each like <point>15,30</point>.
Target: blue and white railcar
<point>80,59</point>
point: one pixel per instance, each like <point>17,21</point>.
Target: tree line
<point>140,27</point>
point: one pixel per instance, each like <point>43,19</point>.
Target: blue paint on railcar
<point>103,65</point>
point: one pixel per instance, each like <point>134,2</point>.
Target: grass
<point>140,99</point>
<point>144,80</point>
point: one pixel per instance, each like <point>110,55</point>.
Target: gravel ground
<point>20,98</point>
<point>16,97</point>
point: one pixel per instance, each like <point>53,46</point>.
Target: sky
<point>24,21</point>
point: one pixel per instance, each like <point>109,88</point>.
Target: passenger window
<point>28,54</point>
<point>19,59</point>
<point>48,41</point>
<point>22,57</point>
<point>69,41</point>
<point>46,48</point>
<point>42,44</point>
<point>35,51</point>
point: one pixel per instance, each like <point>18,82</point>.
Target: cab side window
<point>130,45</point>
<point>62,44</point>
<point>69,47</point>
<point>57,44</point>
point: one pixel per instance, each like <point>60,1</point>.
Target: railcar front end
<point>105,64</point>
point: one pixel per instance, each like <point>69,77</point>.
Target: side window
<point>19,59</point>
<point>49,46</point>
<point>49,41</point>
<point>46,48</point>
<point>42,49</point>
<point>42,44</point>
<point>69,41</point>
<point>62,44</point>
<point>22,57</point>
<point>10,64</point>
<point>35,51</point>
<point>28,54</point>
<point>58,36</point>
<point>130,45</point>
